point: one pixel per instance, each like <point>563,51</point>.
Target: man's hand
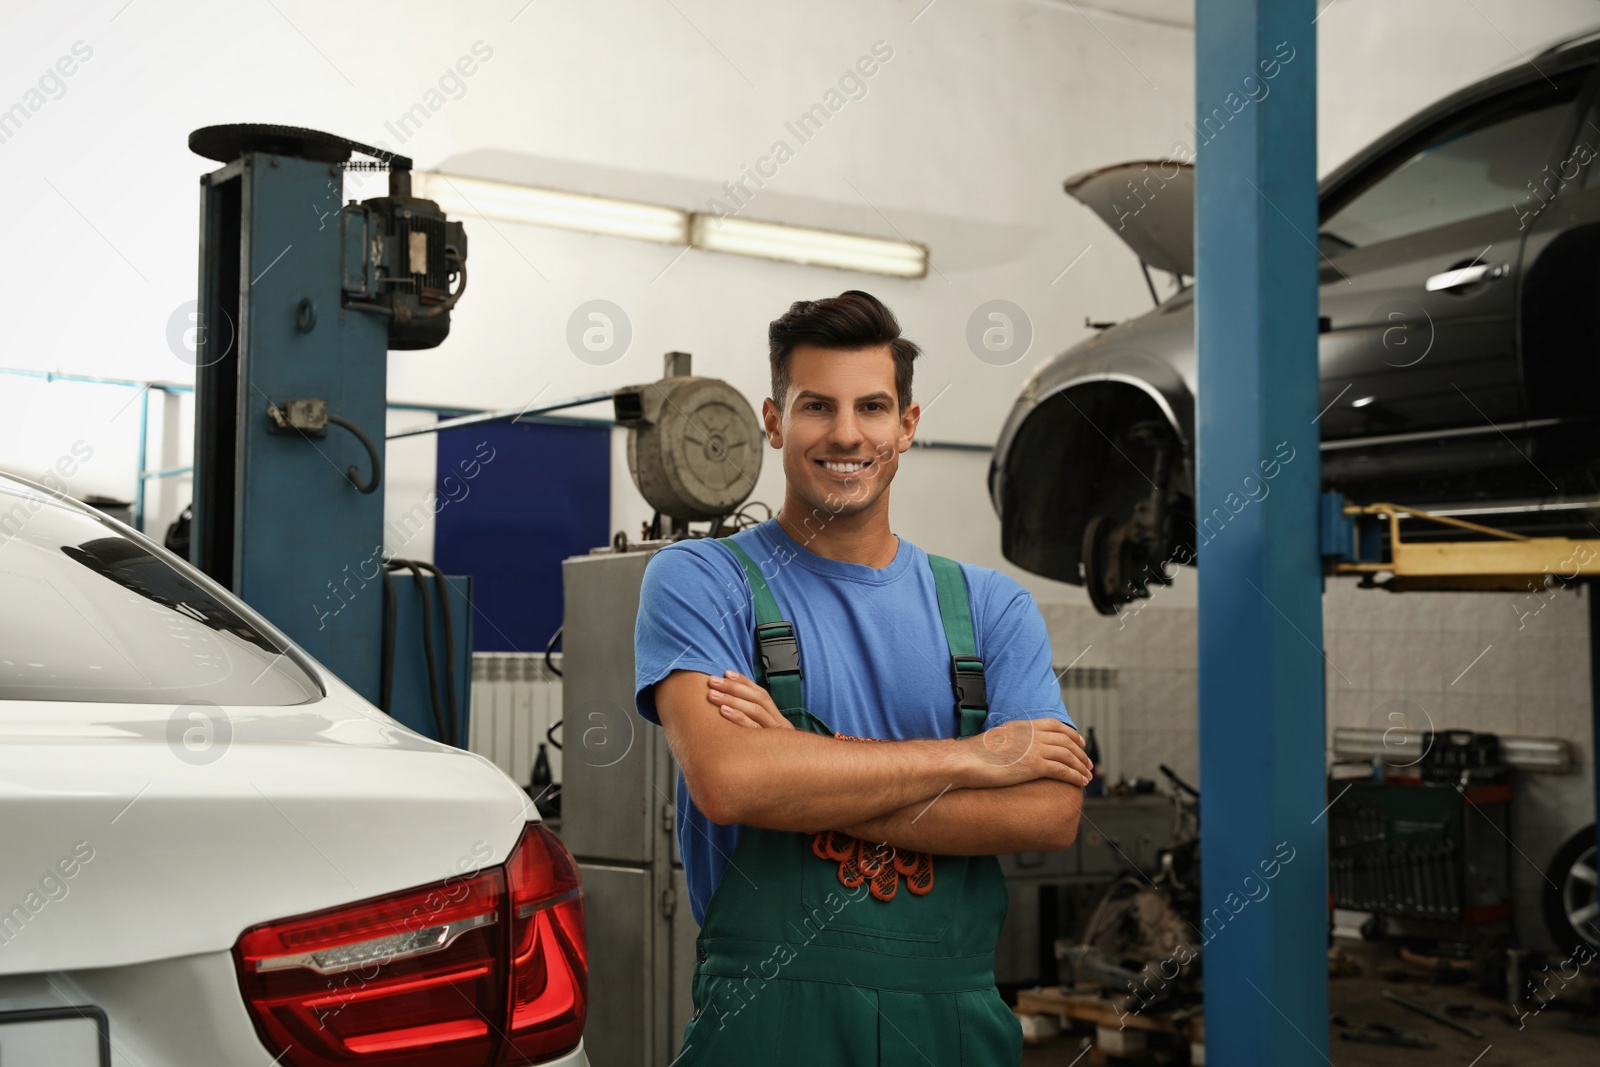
<point>745,703</point>
<point>1009,754</point>
<point>1025,749</point>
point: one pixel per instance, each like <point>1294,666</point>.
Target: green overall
<point>796,968</point>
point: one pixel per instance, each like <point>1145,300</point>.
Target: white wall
<point>1382,61</point>
<point>961,141</point>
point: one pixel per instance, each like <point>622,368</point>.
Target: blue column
<point>1592,594</point>
<point>1263,834</point>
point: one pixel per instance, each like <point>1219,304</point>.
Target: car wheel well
<point>1073,459</point>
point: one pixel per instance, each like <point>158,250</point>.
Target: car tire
<point>1116,569</point>
<point>1098,575</point>
<point>1103,578</point>
<point>1571,905</point>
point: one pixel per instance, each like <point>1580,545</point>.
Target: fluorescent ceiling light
<point>666,225</point>
<point>550,207</point>
<point>799,244</point>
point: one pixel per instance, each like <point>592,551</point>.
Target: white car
<point>214,853</point>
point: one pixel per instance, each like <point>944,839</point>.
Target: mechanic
<point>843,794</point>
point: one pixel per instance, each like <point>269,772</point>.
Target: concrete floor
<point>1542,1037</point>
<point>1545,1038</point>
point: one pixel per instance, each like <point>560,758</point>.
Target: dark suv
<point>1460,342</point>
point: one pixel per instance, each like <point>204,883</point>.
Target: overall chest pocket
<point>834,906</point>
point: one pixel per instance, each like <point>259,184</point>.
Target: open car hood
<point>1150,205</point>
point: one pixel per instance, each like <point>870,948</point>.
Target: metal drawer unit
<point>617,814</point>
<point>1421,850</point>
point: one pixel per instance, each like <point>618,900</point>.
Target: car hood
<point>128,836</point>
<point>1150,205</point>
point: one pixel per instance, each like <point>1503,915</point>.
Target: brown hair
<point>850,321</point>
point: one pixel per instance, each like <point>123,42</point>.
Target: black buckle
<point>780,653</point>
<point>966,674</point>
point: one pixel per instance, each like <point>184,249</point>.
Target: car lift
<point>1364,540</point>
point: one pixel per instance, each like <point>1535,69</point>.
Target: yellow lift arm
<point>1364,539</point>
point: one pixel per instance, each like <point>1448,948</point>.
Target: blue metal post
<point>1262,762</point>
<point>1592,595</point>
<point>276,518</point>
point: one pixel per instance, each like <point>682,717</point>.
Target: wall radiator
<point>515,699</point>
<point>1090,694</point>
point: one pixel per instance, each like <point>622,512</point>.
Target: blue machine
<point>301,297</point>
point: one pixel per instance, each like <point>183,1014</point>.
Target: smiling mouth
<point>844,466</point>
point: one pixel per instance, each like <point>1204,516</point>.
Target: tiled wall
<point>1154,653</point>
<point>1530,678</point>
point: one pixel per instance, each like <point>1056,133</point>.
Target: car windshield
<point>88,614</point>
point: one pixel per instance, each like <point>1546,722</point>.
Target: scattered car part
<point>1429,1013</point>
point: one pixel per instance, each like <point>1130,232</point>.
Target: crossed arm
<point>1014,788</point>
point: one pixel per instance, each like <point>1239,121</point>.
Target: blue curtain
<point>515,499</point>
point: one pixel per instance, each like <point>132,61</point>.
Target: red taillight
<point>480,970</point>
<point>549,952</point>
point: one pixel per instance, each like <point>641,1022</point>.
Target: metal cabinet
<point>618,787</point>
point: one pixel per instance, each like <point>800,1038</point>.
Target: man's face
<point>841,408</point>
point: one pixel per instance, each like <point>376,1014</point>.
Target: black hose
<point>548,662</point>
<point>354,473</point>
<point>427,643</point>
<point>427,650</point>
<point>1172,776</point>
<point>550,734</point>
<point>386,678</point>
<point>751,520</point>
<point>443,586</point>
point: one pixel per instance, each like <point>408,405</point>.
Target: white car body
<point>131,864</point>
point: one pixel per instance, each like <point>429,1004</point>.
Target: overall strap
<point>966,669</point>
<point>778,646</point>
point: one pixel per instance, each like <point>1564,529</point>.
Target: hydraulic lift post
<point>1262,743</point>
<point>301,298</point>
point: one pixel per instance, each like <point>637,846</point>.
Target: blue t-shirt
<point>875,660</point>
